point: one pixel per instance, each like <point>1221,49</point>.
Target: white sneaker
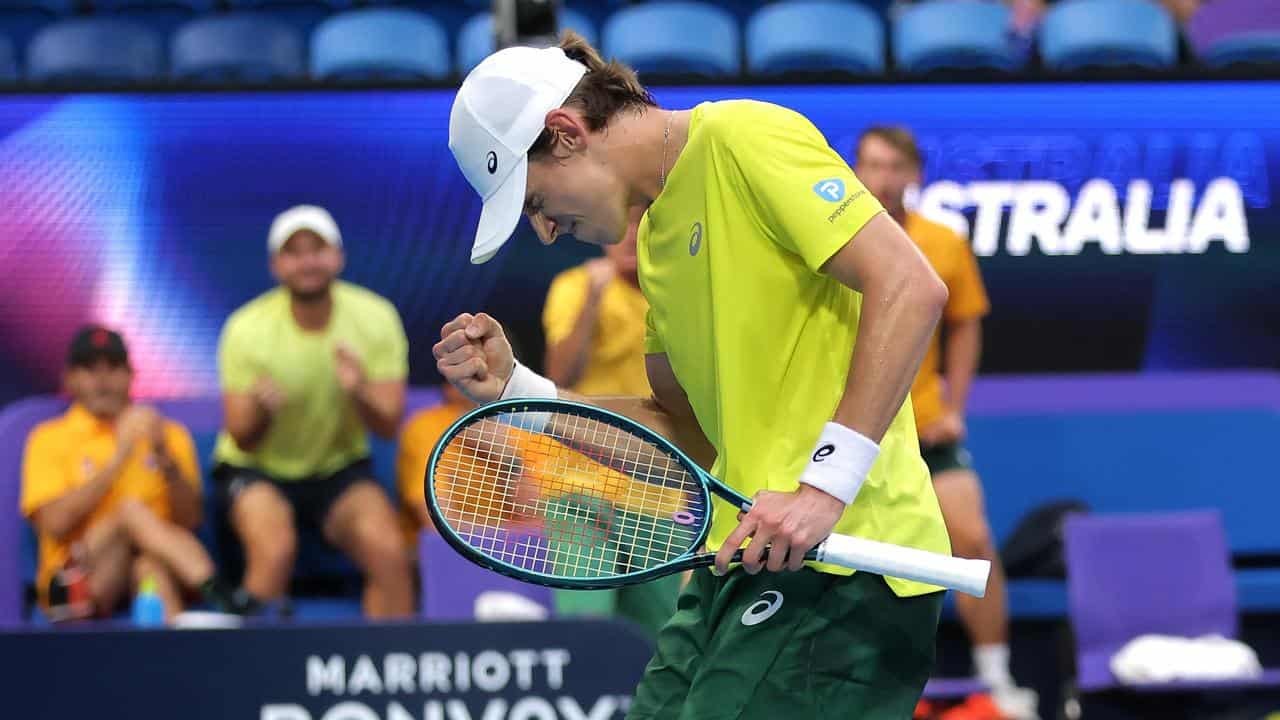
<point>1016,702</point>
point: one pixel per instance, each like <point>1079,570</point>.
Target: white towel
<point>1164,658</point>
<point>499,606</point>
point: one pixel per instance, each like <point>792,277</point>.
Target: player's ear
<point>567,129</point>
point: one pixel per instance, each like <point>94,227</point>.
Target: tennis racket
<point>569,495</point>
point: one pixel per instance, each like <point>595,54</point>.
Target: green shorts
<point>790,645</point>
<point>948,456</point>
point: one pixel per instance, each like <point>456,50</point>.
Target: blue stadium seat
<point>1092,33</point>
<point>476,41</point>
<point>242,47</point>
<point>676,38</point>
<point>954,35</point>
<point>8,61</point>
<point>1262,47</point>
<point>380,43</point>
<point>815,35</point>
<point>95,50</point>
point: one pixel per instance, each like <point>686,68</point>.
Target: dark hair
<point>607,89</point>
<point>897,136</point>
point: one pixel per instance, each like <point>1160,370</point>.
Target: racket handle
<point>967,576</point>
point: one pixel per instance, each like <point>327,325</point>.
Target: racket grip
<point>967,576</point>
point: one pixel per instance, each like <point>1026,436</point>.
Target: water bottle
<point>148,608</point>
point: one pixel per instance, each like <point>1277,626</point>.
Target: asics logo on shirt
<point>831,189</point>
<point>762,609</point>
<point>695,239</point>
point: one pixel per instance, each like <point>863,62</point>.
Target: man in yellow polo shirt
<point>593,320</point>
<point>306,370</point>
<point>787,317</point>
<point>116,485</point>
<point>888,161</point>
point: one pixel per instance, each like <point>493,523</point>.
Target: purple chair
<point>451,583</point>
<point>940,688</point>
<point>1130,575</point>
<point>1224,32</point>
<point>16,421</point>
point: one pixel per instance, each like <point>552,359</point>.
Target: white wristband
<point>525,383</point>
<point>840,462</point>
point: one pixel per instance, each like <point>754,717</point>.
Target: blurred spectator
<point>594,320</point>
<point>114,488</point>
<point>417,440</point>
<point>305,369</point>
<point>888,162</point>
<point>594,325</point>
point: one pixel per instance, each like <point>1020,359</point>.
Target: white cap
<point>498,114</point>
<point>302,217</point>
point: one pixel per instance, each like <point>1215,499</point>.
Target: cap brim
<point>501,213</point>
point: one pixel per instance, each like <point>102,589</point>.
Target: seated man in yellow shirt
<point>306,369</point>
<point>116,485</point>
<point>593,321</point>
<point>888,161</point>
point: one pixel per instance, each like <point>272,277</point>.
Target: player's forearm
<point>566,360</point>
<point>683,431</point>
<point>61,517</point>
<point>963,352</point>
<point>899,313</point>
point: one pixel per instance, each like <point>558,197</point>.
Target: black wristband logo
<point>823,452</point>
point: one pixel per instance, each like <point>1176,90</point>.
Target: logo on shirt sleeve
<point>831,189</point>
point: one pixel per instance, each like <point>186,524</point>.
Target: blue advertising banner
<point>1119,226</point>
<point>560,670</point>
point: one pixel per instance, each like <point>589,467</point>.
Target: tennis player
<point>788,314</point>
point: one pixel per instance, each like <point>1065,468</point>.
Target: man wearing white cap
<point>787,317</point>
<point>306,368</point>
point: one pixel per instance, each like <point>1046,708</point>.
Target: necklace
<point>662,169</point>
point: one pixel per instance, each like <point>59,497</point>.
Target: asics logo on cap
<point>493,162</point>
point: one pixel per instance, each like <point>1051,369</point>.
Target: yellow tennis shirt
<point>759,339</point>
<point>319,430</point>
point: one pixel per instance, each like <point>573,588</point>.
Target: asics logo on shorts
<point>762,609</point>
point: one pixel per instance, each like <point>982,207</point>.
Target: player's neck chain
<point>666,136</point>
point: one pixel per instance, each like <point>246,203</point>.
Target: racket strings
<point>580,498</point>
